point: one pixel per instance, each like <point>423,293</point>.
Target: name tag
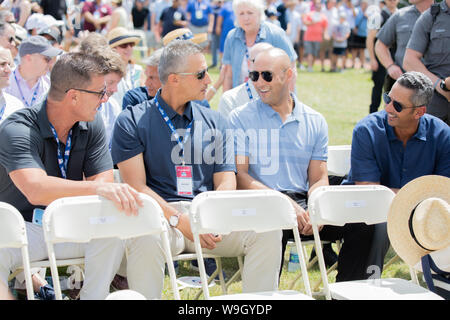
<point>184,180</point>
<point>37,216</point>
<point>199,14</point>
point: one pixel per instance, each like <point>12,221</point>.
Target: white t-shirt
<point>11,103</point>
<point>236,97</point>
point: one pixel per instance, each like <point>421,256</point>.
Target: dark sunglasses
<point>101,94</point>
<point>397,105</point>
<point>266,75</point>
<point>12,40</point>
<point>199,75</point>
<point>125,45</point>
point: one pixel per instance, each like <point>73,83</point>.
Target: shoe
<point>329,255</point>
<point>210,266</point>
<point>119,283</point>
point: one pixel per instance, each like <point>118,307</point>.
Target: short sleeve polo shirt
<point>142,129</point>
<point>28,142</point>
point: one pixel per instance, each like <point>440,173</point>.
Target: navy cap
<point>38,44</point>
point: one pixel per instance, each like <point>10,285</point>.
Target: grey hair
<point>153,60</point>
<point>4,25</point>
<point>174,57</point>
<point>256,4</point>
<point>421,86</point>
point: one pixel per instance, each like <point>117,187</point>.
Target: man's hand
<point>209,240</point>
<point>394,71</point>
<point>373,64</point>
<point>125,198</point>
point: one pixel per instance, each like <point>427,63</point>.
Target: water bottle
<point>294,263</point>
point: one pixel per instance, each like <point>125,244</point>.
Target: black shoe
<point>119,283</point>
<point>329,255</point>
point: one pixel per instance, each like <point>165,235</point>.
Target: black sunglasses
<point>101,94</point>
<point>266,75</point>
<point>397,105</point>
<point>199,75</point>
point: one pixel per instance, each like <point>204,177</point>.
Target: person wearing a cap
<point>184,77</point>
<point>172,18</point>
<point>33,172</point>
<point>8,103</point>
<point>396,145</point>
<point>122,41</point>
<point>30,81</point>
<point>53,35</point>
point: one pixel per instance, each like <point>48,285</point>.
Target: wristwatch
<point>173,220</point>
<point>443,87</point>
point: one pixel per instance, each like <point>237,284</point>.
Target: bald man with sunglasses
<point>282,144</point>
<point>396,145</point>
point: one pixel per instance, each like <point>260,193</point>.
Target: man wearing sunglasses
<point>57,149</point>
<point>281,144</point>
<point>396,145</point>
<point>7,36</point>
<point>155,142</point>
<point>30,81</point>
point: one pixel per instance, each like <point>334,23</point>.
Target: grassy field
<point>343,99</point>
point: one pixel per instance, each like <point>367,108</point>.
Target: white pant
<point>262,251</point>
<point>102,259</point>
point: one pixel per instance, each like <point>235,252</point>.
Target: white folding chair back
<point>337,205</point>
<point>223,212</point>
<point>338,162</point>
<point>82,219</point>
<point>13,234</point>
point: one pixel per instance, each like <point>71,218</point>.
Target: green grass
<point>343,99</point>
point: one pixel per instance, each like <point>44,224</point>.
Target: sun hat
<point>418,221</point>
<point>184,34</point>
<point>121,35</point>
<point>38,44</point>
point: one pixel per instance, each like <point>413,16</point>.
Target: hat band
<point>411,229</point>
<point>118,39</point>
<point>186,36</point>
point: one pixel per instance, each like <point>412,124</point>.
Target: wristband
<point>436,83</point>
<point>393,64</point>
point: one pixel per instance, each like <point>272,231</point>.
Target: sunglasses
<point>12,40</point>
<point>126,45</point>
<point>266,75</point>
<point>397,105</point>
<point>101,94</point>
<point>199,75</point>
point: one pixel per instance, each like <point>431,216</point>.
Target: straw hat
<point>184,34</point>
<point>419,218</point>
<point>120,35</point>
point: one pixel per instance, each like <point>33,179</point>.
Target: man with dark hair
<point>57,149</point>
<point>396,145</point>
<point>172,18</point>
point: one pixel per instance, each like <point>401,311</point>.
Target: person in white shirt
<point>30,81</point>
<point>245,92</point>
<point>8,103</point>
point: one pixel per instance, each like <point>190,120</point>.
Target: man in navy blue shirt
<point>401,143</point>
<point>172,18</point>
<point>172,149</point>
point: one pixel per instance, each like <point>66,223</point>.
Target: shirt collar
<point>170,112</point>
<point>295,115</point>
<point>262,33</point>
<point>421,133</point>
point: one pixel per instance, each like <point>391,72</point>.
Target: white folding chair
<point>82,219</point>
<point>222,212</point>
<point>13,234</point>
<point>338,205</point>
<point>338,162</point>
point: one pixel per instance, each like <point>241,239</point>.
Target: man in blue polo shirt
<point>172,149</point>
<point>200,16</point>
<point>401,143</point>
<point>282,144</point>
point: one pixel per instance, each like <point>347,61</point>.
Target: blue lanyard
<point>2,110</point>
<point>21,94</point>
<point>249,92</point>
<point>181,142</point>
<point>62,161</point>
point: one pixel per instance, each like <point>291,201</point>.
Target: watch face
<point>173,221</point>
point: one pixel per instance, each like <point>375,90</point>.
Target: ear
<point>419,112</point>
<point>72,97</point>
<point>173,79</point>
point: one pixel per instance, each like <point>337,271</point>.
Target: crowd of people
<point>75,104</point>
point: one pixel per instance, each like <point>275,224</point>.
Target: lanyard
<point>181,142</point>
<point>2,110</point>
<point>21,94</point>
<point>249,92</point>
<point>62,161</point>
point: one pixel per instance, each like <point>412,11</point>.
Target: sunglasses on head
<point>397,105</point>
<point>126,45</point>
<point>266,75</point>
<point>199,75</point>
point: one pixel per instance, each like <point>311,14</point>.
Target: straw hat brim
<point>197,38</point>
<point>124,39</point>
<point>408,197</point>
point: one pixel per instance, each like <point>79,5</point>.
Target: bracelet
<point>213,89</point>
<point>436,83</point>
<point>393,64</point>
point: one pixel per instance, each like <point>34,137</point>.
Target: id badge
<point>37,216</point>
<point>184,180</point>
<point>199,14</point>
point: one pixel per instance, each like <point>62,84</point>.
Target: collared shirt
<point>279,153</point>
<point>135,96</point>
<point>397,31</point>
<point>20,89</point>
<point>379,156</point>
<point>433,40</point>
<point>131,80</point>
<point>168,17</point>
<point>28,142</point>
<point>235,46</point>
<point>109,112</point>
<point>237,97</point>
<point>10,103</point>
<point>141,129</point>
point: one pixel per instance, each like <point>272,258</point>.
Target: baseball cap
<point>38,44</point>
<point>52,32</point>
